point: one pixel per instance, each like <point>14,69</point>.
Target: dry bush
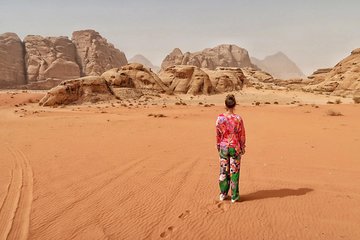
<point>338,101</point>
<point>356,99</point>
<point>160,115</point>
<point>331,112</point>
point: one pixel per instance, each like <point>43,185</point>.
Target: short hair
<point>230,101</point>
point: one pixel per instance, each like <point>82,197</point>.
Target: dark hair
<point>230,101</point>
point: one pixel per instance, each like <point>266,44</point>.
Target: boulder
<point>50,58</point>
<point>12,70</point>
<point>134,75</point>
<point>186,79</point>
<point>225,79</point>
<point>94,54</point>
<point>225,55</point>
<point>86,89</point>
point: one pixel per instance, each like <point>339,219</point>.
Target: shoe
<point>235,199</point>
<point>222,196</point>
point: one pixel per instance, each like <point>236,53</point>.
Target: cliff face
<point>279,66</point>
<point>42,62</point>
<point>12,71</point>
<point>221,56</point>
<point>343,79</point>
<point>94,54</point>
<point>50,58</point>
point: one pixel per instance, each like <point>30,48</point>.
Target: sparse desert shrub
<point>160,115</point>
<point>331,112</point>
<point>200,103</point>
<point>338,101</point>
<point>330,102</point>
<point>257,103</point>
<point>356,99</point>
<point>31,100</point>
<point>276,102</point>
<point>267,102</point>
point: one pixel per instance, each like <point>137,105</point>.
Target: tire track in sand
<point>16,207</point>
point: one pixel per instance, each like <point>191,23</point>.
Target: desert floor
<point>107,171</point>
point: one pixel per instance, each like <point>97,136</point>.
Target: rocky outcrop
<point>186,79</point>
<point>12,70</point>
<point>255,76</point>
<point>94,54</point>
<point>319,75</point>
<point>144,61</point>
<point>87,89</point>
<point>262,80</point>
<point>341,80</point>
<point>134,75</point>
<point>225,79</point>
<point>50,58</point>
<point>221,56</point>
<point>279,66</point>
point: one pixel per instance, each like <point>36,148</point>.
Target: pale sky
<point>313,33</point>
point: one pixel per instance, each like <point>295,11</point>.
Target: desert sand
<point>106,171</point>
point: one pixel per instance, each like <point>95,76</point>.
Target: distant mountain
<point>144,61</point>
<point>279,66</point>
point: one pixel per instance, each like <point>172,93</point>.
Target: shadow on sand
<point>276,193</point>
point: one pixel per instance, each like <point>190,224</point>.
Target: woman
<point>230,143</point>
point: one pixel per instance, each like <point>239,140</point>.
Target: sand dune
<point>104,172</point>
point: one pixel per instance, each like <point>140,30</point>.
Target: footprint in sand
<point>184,215</point>
<point>218,207</point>
<point>167,232</point>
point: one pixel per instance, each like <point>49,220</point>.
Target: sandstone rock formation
<point>134,75</point>
<point>263,80</point>
<point>221,56</point>
<point>86,89</point>
<point>319,75</point>
<point>279,66</point>
<point>144,61</point>
<point>225,79</point>
<point>50,58</point>
<point>255,76</point>
<point>12,70</point>
<point>343,79</point>
<point>95,54</point>
<point>186,79</point>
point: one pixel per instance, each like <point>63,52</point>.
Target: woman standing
<point>230,143</point>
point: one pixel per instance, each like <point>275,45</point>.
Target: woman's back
<point>230,131</point>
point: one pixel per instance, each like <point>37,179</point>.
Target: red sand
<point>84,172</point>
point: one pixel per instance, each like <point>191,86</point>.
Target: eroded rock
<point>186,79</point>
<point>134,75</point>
<point>225,55</point>
<point>76,91</point>
<point>12,70</point>
<point>94,54</point>
<point>50,58</point>
<point>225,79</point>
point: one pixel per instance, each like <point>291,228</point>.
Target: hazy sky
<point>314,34</point>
